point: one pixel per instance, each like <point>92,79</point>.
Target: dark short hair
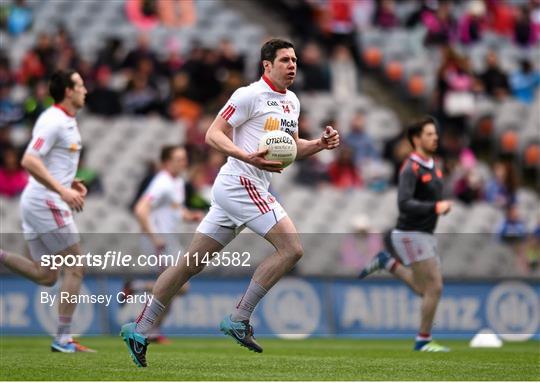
<point>269,48</point>
<point>167,152</point>
<point>60,80</point>
<point>415,129</point>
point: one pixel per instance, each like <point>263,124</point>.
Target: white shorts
<point>414,246</point>
<point>239,202</point>
<point>43,215</point>
<point>53,242</point>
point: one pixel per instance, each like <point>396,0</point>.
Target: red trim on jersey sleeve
<point>38,144</point>
<point>272,86</point>
<point>228,112</point>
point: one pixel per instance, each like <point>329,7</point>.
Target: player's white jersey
<point>252,111</point>
<point>167,196</point>
<point>57,141</point>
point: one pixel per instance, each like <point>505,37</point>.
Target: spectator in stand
<point>385,14</point>
<point>181,103</point>
<point>142,13</point>
<point>141,51</point>
<point>32,67</point>
<point>46,53</point>
<point>343,74</point>
<point>7,77</point>
<point>229,58</point>
<point>501,190</point>
<point>473,22</point>
<point>342,26</point>
<point>524,82</point>
<point>455,85</point>
<point>359,141</point>
<point>535,15</point>
<point>467,182</point>
<point>174,60</point>
<point>513,232</point>
<point>201,68</point>
<point>10,110</point>
<point>343,171</point>
<point>13,178</point>
<point>494,80</point>
<point>37,102</point>
<point>19,17</point>
<point>525,32</point>
<point>314,69</point>
<point>103,100</point>
<point>500,16</point>
<point>140,97</point>
<point>111,55</point>
<point>469,188</point>
<point>441,26</point>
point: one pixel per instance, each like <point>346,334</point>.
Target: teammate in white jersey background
<point>160,211</point>
<point>50,197</point>
<point>241,197</point>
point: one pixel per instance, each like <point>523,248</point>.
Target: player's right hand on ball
<point>73,198</point>
<point>443,207</point>
<point>257,159</point>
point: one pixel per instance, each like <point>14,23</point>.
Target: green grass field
<point>25,358</point>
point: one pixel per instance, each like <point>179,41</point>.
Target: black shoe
<point>241,331</point>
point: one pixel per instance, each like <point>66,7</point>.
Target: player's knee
<point>436,288</point>
<point>295,252</point>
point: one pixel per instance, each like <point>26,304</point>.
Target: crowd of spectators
<point>192,86</point>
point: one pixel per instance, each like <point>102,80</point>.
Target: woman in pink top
<point>13,177</point>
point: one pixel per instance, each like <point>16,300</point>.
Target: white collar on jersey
<point>428,163</point>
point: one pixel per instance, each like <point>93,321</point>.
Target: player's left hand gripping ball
<point>330,138</point>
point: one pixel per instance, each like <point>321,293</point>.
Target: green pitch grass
<point>26,358</point>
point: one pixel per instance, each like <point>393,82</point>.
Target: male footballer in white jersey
<point>50,197</point>
<point>160,211</point>
<point>240,197</point>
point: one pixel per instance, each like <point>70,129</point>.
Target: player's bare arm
<point>35,166</point>
<point>218,137</point>
<point>329,140</point>
<point>142,212</point>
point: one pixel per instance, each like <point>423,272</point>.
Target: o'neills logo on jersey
<point>279,140</point>
<point>277,124</point>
